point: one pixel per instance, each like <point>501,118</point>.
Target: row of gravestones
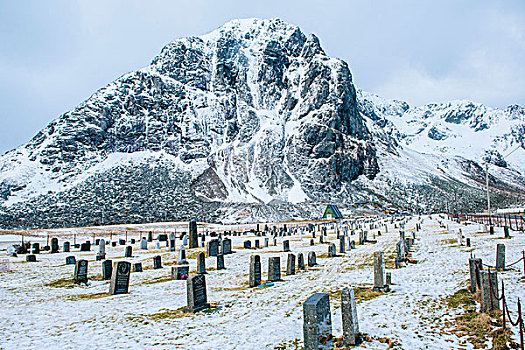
<point>274,267</point>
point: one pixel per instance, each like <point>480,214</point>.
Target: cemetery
<point>370,282</point>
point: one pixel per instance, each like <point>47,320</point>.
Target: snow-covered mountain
<point>252,120</point>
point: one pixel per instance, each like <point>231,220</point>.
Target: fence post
<point>503,302</point>
<point>520,323</point>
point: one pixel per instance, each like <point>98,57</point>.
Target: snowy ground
<point>414,314</point>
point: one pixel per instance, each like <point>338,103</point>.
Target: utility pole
<point>488,194</point>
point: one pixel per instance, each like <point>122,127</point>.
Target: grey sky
<point>55,54</point>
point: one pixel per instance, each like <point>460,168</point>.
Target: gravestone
<point>85,247</point>
<point>321,239</point>
<point>172,242</point>
<point>31,258</point>
<point>121,241</point>
<point>352,244</point>
<point>468,242</point>
<point>132,241</point>
<point>213,247</point>
<point>475,265</point>
<point>129,252</point>
<point>506,231</point>
<point>300,261</point>
<point>226,246</point>
<point>317,326</point>
<point>70,260</point>
<point>274,269</point>
<point>500,256</point>
<point>266,242</point>
<point>193,234</point>
<point>290,265</point>
<point>491,229</point>
<point>257,246</point>
<point>66,247</point>
<point>255,271</point>
<point>331,250</point>
<point>54,245</point>
<point>162,237</point>
<point>489,291</point>
<point>379,273</point>
<point>312,261</point>
<point>388,278</point>
<point>101,255</point>
<point>248,244</point>
<point>157,244</point>
<point>120,278</point>
<point>201,263</point>
<point>196,293</point>
<point>157,262</point>
<point>349,315</point>
<point>35,248</point>
<point>312,242</point>
<point>113,244</point>
<point>342,247</point>
<point>137,267</point>
<point>286,246</point>
<point>220,262</point>
<point>81,271</point>
<point>182,256</point>
<point>144,244</point>
<point>107,269</point>
<point>150,236</point>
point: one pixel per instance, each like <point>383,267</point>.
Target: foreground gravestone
<point>255,271</point>
<point>137,267</point>
<point>379,273</point>
<point>290,265</point>
<point>54,245</point>
<point>226,246</point>
<point>312,261</point>
<point>31,258</point>
<point>213,247</point>
<point>81,271</point>
<point>220,262</point>
<point>107,269</point>
<point>201,263</point>
<point>317,322</point>
<point>300,261</point>
<point>157,262</point>
<point>66,247</point>
<point>129,252</point>
<point>120,278</point>
<point>489,291</point>
<point>500,256</point>
<point>475,265</point>
<point>286,246</point>
<point>180,272</point>
<point>349,316</point>
<point>274,269</point>
<point>196,293</point>
<point>193,234</point>
<point>70,260</point>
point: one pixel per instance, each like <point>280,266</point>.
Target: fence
<point>515,222</point>
<point>506,313</point>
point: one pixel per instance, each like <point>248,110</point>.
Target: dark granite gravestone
<point>132,241</point>
<point>312,242</point>
<point>255,271</point>
<point>193,234</point>
<point>300,261</point>
<point>342,246</point>
<point>312,261</point>
<point>85,247</point>
<point>35,248</point>
<point>97,241</point>
<point>129,252</point>
<point>220,262</point>
<point>266,242</point>
<point>113,244</point>
<point>180,272</point>
<point>70,260</point>
<point>491,229</point>
<point>468,242</point>
<point>54,245</point>
<point>101,255</point>
<point>317,326</point>
<point>290,265</point>
<point>196,293</point>
<point>31,258</point>
<point>349,315</point>
<point>81,271</point>
<point>248,244</point>
<point>213,247</point>
<point>122,241</point>
<point>500,256</point>
<point>257,245</point>
<point>201,263</point>
<point>137,267</point>
<point>157,262</point>
<point>162,237</point>
<point>226,246</point>
<point>286,246</point>
<point>66,247</point>
<point>150,236</point>
<point>274,269</point>
<point>172,242</point>
<point>120,278</point>
<point>107,269</point>
<point>332,251</point>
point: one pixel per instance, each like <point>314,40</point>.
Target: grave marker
<point>290,265</point>
<point>120,278</point>
<point>255,271</point>
<point>81,271</point>
<point>193,234</point>
<point>196,293</point>
<point>70,260</point>
<point>349,315</point>
<point>137,267</point>
<point>300,261</point>
<point>317,326</point>
<point>157,262</point>
<point>500,256</point>
<point>274,269</point>
<point>312,261</point>
<point>220,262</point>
<point>201,263</point>
<point>107,269</point>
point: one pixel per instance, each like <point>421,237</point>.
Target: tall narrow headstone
<point>506,231</point>
<point>150,236</point>
<point>317,326</point>
<point>379,273</point>
<point>201,263</point>
<point>342,247</point>
<point>193,235</point>
<point>312,261</point>
<point>129,252</point>
<point>196,293</point>
<point>500,256</point>
<point>101,255</point>
<point>274,269</point>
<point>290,265</point>
<point>172,242</point>
<point>220,262</point>
<point>120,278</point>
<point>349,315</point>
<point>300,261</point>
<point>144,244</point>
<point>182,256</point>
<point>157,262</point>
<point>107,269</point>
<point>54,245</point>
<point>286,245</point>
<point>81,271</point>
<point>66,247</point>
<point>474,269</point>
<point>255,271</point>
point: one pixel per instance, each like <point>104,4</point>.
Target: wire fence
<point>515,222</point>
<point>506,313</point>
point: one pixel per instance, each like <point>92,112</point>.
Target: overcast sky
<point>55,54</point>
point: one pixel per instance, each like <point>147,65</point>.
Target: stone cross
<point>317,323</point>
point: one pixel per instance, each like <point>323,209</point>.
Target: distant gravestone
<point>331,250</point>
<point>342,247</point>
<point>388,278</point>
<point>137,267</point>
<point>35,248</point>
<point>286,246</point>
<point>274,269</point>
<point>150,236</point>
<point>85,247</point>
<point>172,242</point>
<point>255,271</point>
<point>491,229</point>
<point>196,293</point>
<point>317,326</point>
<point>162,237</point>
<point>120,278</point>
<point>468,242</point>
<point>352,244</point>
<point>220,262</point>
<point>506,231</point>
<point>213,247</point>
<point>66,247</point>
<point>157,262</point>
<point>349,316</point>
<point>248,244</point>
<point>379,273</point>
<point>180,272</point>
<point>31,258</point>
<point>81,271</point>
<point>101,255</point>
<point>182,255</point>
<point>226,246</point>
<point>290,265</point>
<point>300,261</point>
<point>144,244</point>
<point>70,260</point>
<point>121,241</point>
<point>132,241</point>
<point>107,269</point>
<point>54,245</point>
<point>312,261</point>
<point>193,235</point>
<point>312,242</point>
<point>201,263</point>
<point>500,256</point>
<point>129,252</point>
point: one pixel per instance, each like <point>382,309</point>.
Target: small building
<point>332,212</point>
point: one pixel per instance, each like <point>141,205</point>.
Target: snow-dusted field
<point>414,314</point>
